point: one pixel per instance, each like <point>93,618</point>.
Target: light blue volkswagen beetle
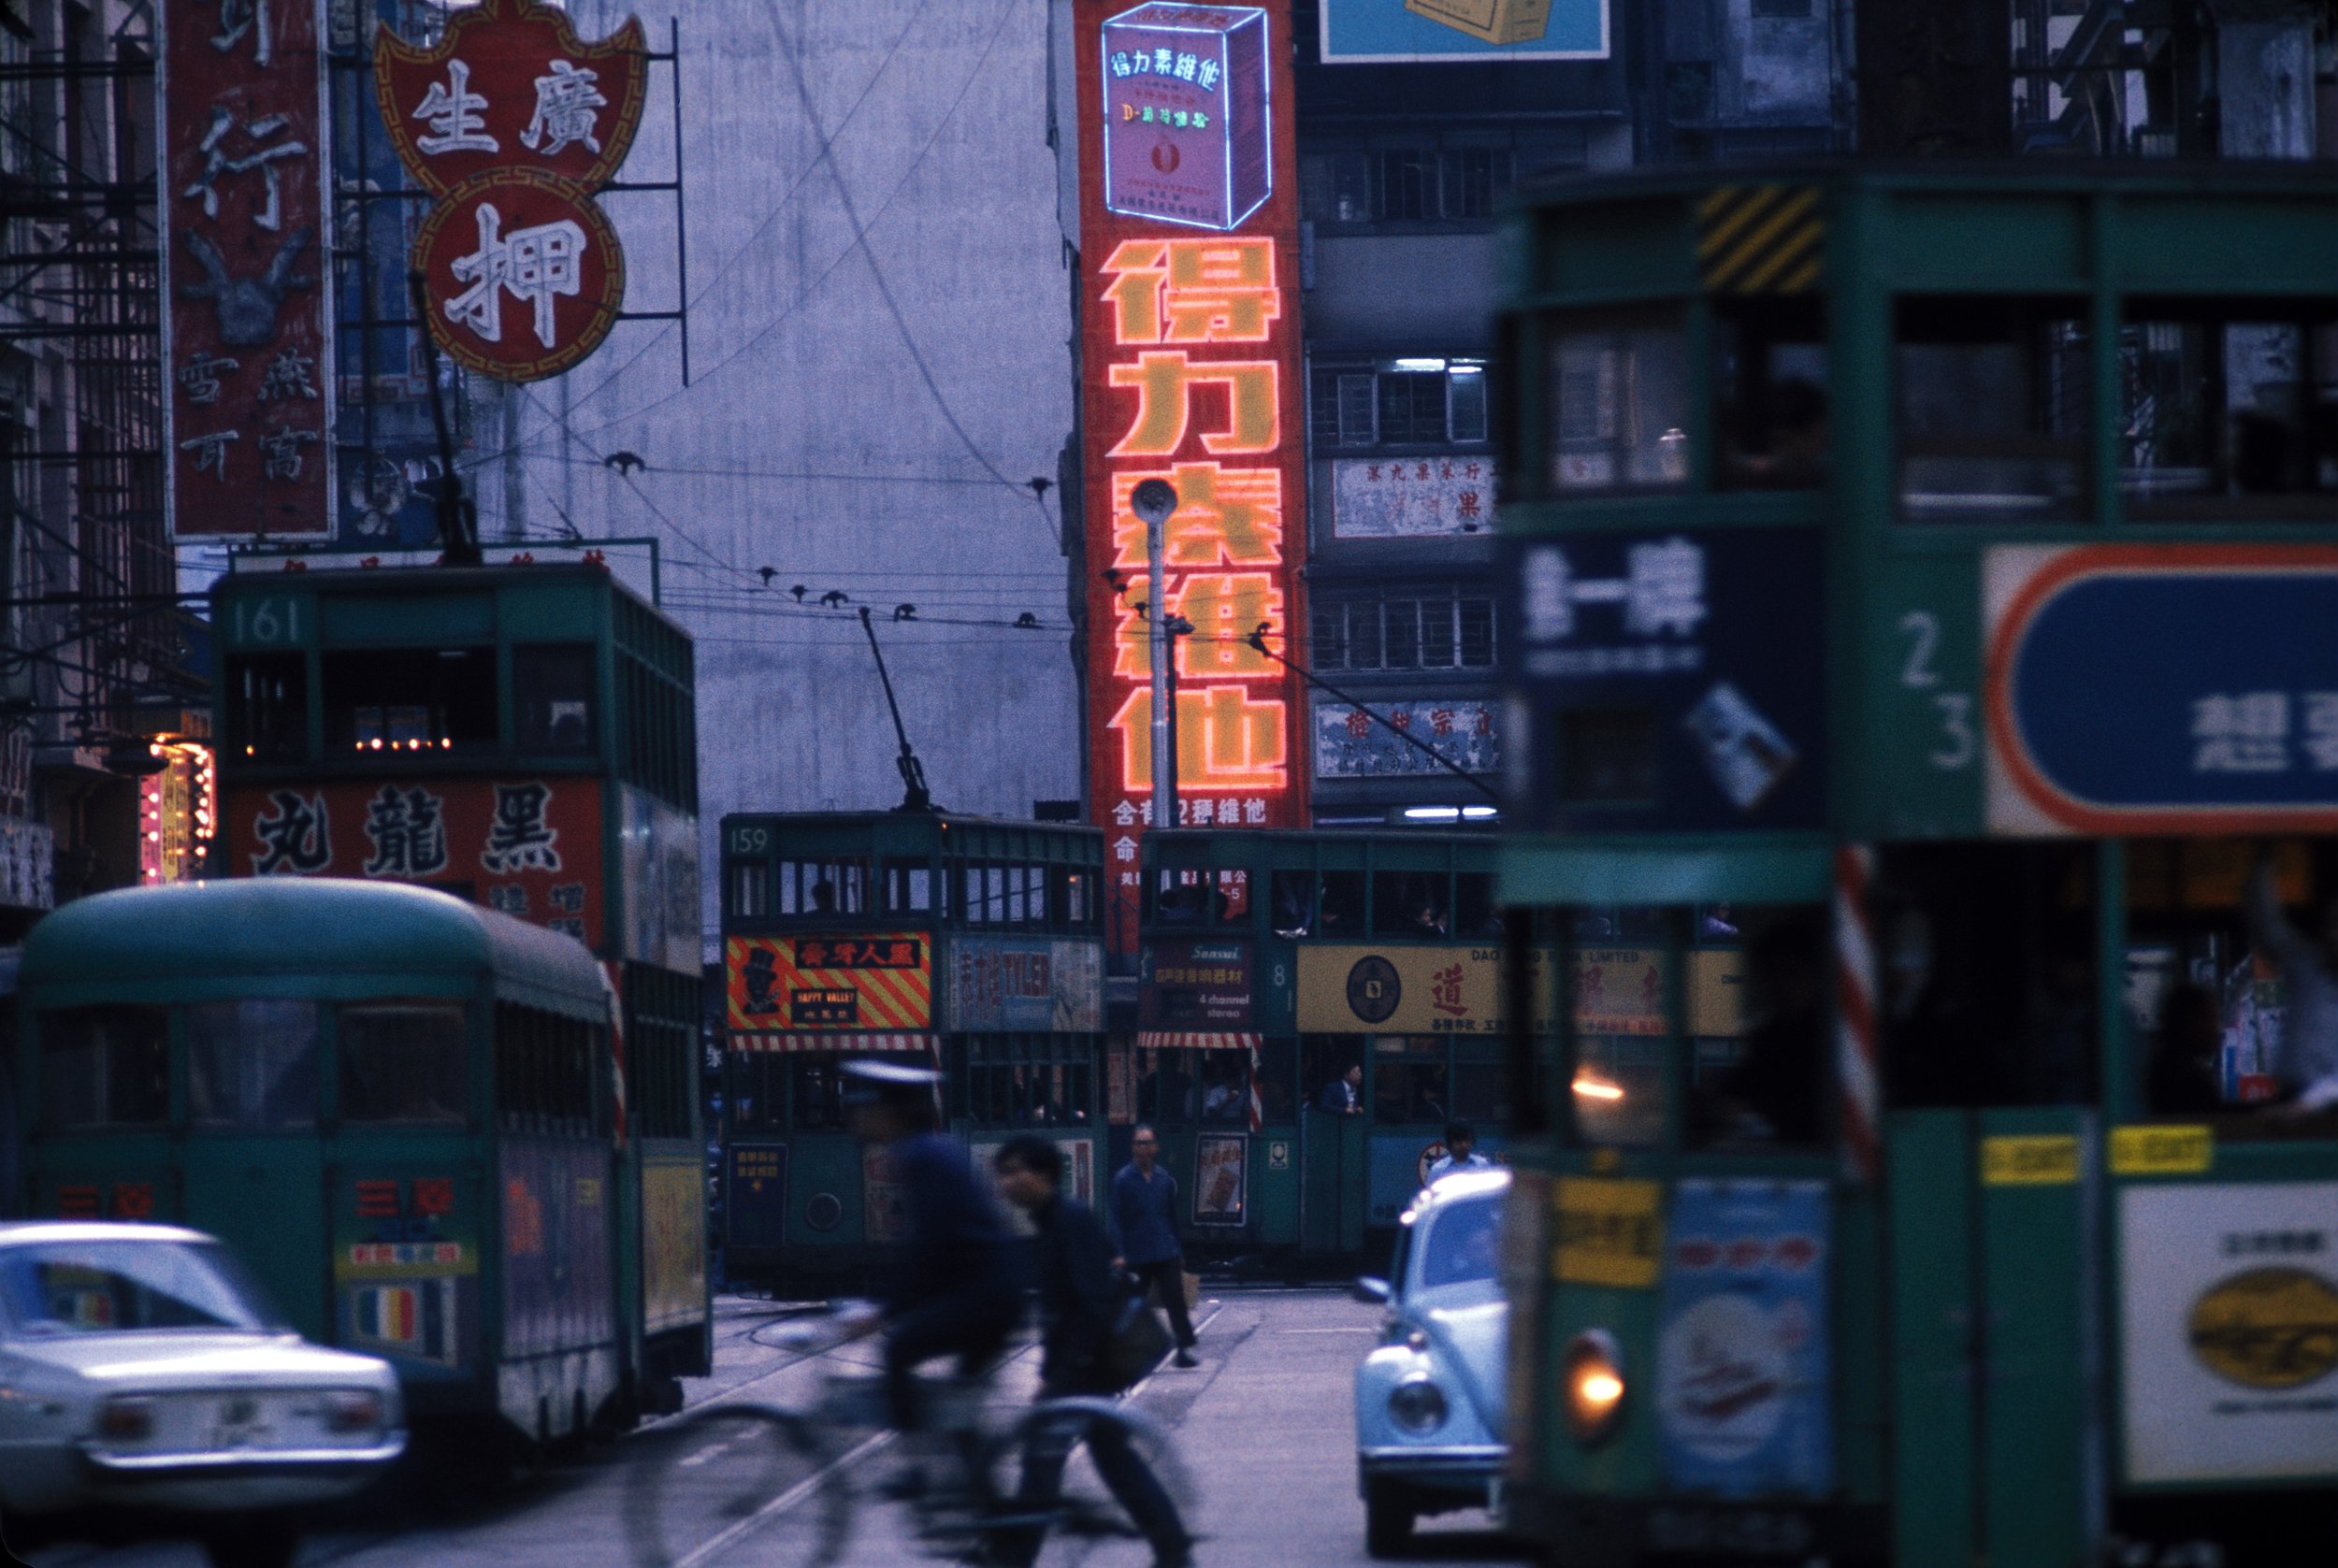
<point>1429,1399</point>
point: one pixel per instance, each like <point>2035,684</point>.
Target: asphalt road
<point>1263,1428</point>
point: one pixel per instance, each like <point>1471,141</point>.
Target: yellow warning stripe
<point>1760,239</point>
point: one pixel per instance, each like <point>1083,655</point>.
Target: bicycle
<point>796,1480</point>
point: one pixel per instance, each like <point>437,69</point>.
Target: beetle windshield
<point>107,1286</point>
<point>1464,1245</point>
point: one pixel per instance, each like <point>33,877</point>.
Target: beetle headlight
<point>1417,1404</point>
<point>1592,1386</point>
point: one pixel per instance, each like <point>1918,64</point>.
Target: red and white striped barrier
<point>1856,1011</point>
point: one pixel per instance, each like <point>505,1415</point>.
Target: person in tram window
<point>824,897</point>
<point>2306,1065</point>
<point>1428,920</point>
<point>1780,1079</point>
<point>1461,1152</point>
<point>1343,1094</point>
<point>2182,1079</point>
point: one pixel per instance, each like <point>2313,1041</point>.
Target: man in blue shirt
<point>1144,1216</point>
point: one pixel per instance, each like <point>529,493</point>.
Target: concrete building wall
<point>878,355</point>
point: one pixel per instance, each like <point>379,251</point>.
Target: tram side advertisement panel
<point>2229,1331</point>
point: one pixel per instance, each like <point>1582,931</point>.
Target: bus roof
<point>276,924</point>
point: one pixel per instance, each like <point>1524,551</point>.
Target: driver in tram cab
<point>957,1284</point>
<point>2307,1065</point>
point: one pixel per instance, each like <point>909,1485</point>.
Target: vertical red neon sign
<point>1190,366</point>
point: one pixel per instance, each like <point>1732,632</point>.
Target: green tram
<point>1926,585</point>
<point>522,737</point>
<point>401,1109</point>
<point>969,943</point>
<point>1274,964</point>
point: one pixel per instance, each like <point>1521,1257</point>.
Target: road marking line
<point>1144,1382</point>
<point>784,1502</point>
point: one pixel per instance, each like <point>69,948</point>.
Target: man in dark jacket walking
<point>1144,1216</point>
<point>1080,1298</point>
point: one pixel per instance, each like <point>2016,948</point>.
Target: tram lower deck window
<point>1993,398</point>
<point>105,1066</point>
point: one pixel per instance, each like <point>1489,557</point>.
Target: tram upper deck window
<point>1189,897</point>
<point>2226,416</point>
<point>552,698</point>
<point>1071,898</point>
<point>908,887</point>
<point>438,701</point>
<point>1769,388</point>
<point>1617,389</point>
<point>749,885</point>
<point>105,1066</point>
<point>1411,904</point>
<point>1340,905</point>
<point>252,1062</point>
<point>1475,913</point>
<point>402,1062</point>
<point>267,705</point>
<point>823,889</point>
<point>1993,396</point>
<point>1292,896</point>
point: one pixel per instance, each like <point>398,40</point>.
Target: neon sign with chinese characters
<point>1192,354</point>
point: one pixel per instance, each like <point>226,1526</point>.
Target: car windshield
<point>109,1287</point>
<point>1464,1245</point>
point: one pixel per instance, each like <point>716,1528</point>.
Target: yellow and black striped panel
<point>1760,238</point>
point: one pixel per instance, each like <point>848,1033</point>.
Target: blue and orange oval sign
<point>2164,688</point>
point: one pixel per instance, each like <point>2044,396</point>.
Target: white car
<point>144,1382</point>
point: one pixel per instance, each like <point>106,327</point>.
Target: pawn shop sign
<point>524,274</point>
<point>510,86</point>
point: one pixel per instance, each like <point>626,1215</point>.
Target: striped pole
<point>612,983</point>
<point>1257,1110</point>
<point>1855,1010</point>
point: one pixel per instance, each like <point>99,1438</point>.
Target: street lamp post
<point>1155,500</point>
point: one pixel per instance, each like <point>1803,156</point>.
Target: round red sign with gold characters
<point>523,273</point>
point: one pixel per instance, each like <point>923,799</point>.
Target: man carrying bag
<point>1096,1338</point>
<point>1144,1216</point>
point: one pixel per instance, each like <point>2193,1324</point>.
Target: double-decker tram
<point>1314,1010</point>
<point>1927,593</point>
<point>469,1144</point>
<point>967,943</point>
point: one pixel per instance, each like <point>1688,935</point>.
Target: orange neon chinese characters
<point>1225,608</point>
<point>1226,739</point>
<point>1225,517</point>
<point>1192,291</point>
<point>1165,381</point>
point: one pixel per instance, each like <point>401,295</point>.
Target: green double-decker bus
<point>1314,1009</point>
<point>1924,628</point>
<point>970,944</point>
<point>520,737</point>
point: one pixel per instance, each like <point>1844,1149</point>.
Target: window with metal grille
<point>1399,402</point>
<point>1430,630</point>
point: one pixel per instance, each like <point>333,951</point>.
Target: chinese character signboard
<point>1411,498</point>
<point>857,982</point>
<point>1674,682</point>
<point>1351,744</point>
<point>1462,32</point>
<point>1195,986</point>
<point>247,342</point>
<point>1192,365</point>
<point>530,847</point>
<point>2162,689</point>
<point>514,123</point>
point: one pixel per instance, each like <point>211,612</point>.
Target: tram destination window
<point>252,1062</point>
<point>105,1066</point>
<point>1617,389</point>
<point>1992,402</point>
<point>399,701</point>
<point>552,698</point>
<point>2224,416</point>
<point>402,1062</point>
<point>267,705</point>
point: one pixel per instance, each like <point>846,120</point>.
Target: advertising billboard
<point>246,337</point>
<point>844,984</point>
<point>1462,32</point>
<point>1189,332</point>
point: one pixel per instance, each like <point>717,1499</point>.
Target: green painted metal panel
<point>1635,249</point>
<point>821,1162</point>
<point>265,1191</point>
<point>1862,1412</point>
<point>406,620</point>
<point>1943,241</point>
<point>1774,870</point>
<point>1930,1257</point>
<point>2236,242</point>
<point>1923,677</point>
<point>1275,1189</point>
<point>2036,1410</point>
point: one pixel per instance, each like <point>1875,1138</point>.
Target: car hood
<point>1469,1330</point>
<point>185,1359</point>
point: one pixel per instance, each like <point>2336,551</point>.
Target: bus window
<point>1408,1080</point>
<point>267,705</point>
<point>1617,388</point>
<point>439,701</point>
<point>1769,383</point>
<point>908,887</point>
<point>552,698</point>
<point>1341,906</point>
<point>252,1062</point>
<point>403,1061</point>
<point>105,1066</point>
<point>1475,915</point>
<point>2219,415</point>
<point>1992,399</point>
<point>1409,904</point>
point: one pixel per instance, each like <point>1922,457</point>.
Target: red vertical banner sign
<point>1190,373</point>
<point>247,261</point>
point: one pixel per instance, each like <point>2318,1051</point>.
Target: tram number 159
<point>1954,745</point>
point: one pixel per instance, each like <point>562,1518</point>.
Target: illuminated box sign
<point>1186,133</point>
<point>1191,376</point>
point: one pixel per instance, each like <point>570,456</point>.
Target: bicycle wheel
<point>1086,1506</point>
<point>700,1485</point>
